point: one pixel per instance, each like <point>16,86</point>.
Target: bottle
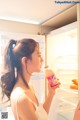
<point>51,77</point>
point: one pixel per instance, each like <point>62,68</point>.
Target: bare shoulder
<point>25,108</point>
<point>24,104</point>
<point>16,93</point>
<point>23,100</point>
<point>19,96</point>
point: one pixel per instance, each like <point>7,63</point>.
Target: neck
<point>26,76</point>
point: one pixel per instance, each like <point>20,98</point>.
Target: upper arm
<point>25,109</point>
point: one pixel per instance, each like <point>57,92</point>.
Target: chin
<point>38,70</point>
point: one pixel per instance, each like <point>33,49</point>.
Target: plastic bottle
<point>51,77</point>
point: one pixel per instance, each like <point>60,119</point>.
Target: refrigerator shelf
<point>70,101</point>
<point>66,97</point>
<point>66,115</point>
<point>67,89</point>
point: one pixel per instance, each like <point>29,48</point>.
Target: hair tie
<point>12,44</point>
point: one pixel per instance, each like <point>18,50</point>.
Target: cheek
<point>37,63</point>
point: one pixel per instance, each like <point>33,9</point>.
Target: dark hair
<point>14,52</point>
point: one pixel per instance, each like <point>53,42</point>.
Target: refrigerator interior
<point>62,57</point>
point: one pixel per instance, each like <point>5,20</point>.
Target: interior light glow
<point>20,20</point>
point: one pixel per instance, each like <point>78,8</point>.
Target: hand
<point>48,72</point>
<point>53,89</point>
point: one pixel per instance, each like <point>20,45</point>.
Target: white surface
<point>9,112</point>
<point>31,11</point>
<point>62,52</point>
<point>63,105</point>
<point>66,115</point>
<point>62,57</point>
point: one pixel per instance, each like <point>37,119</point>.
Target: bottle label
<point>52,80</point>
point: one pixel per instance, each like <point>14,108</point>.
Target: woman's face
<point>35,62</point>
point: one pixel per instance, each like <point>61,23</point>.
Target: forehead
<point>37,48</point>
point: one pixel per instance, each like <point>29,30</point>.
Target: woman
<point>22,58</point>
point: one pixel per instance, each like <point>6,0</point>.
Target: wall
<point>10,26</point>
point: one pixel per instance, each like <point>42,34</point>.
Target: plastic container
<point>51,77</point>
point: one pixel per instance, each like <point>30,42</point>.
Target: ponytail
<point>14,53</point>
<point>8,78</point>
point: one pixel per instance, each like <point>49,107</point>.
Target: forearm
<point>48,101</point>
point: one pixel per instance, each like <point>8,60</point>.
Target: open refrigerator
<point>62,58</point>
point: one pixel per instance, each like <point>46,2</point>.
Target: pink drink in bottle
<point>51,77</point>
<point>52,80</point>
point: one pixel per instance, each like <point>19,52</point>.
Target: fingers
<point>56,86</point>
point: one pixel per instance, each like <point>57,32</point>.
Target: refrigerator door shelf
<point>63,103</point>
<point>68,102</point>
<point>63,92</point>
<point>66,88</point>
<point>66,115</point>
<point>65,100</point>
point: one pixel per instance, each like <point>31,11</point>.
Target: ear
<point>24,61</point>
